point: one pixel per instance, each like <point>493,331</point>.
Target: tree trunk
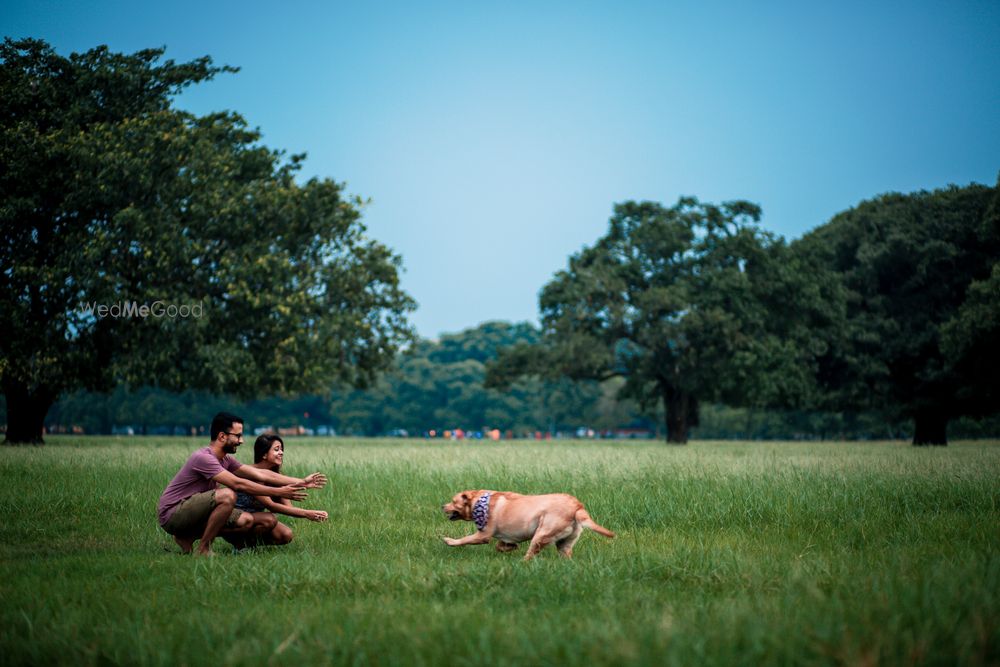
<point>930,428</point>
<point>26,410</point>
<point>681,413</point>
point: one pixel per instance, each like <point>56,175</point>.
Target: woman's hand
<point>292,492</point>
<point>316,515</point>
<point>317,480</point>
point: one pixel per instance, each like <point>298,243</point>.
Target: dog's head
<point>460,507</point>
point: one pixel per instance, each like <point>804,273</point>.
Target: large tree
<point>921,273</point>
<point>110,196</point>
<point>687,303</point>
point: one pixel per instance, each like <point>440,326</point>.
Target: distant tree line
<point>433,386</point>
<point>438,386</point>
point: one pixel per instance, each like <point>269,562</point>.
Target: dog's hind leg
<point>565,545</point>
<point>535,546</point>
<point>544,535</point>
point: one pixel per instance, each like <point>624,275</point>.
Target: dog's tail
<point>584,520</point>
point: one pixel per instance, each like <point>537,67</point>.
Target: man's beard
<point>229,448</point>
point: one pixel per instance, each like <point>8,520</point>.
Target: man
<point>193,506</point>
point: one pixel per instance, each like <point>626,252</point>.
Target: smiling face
<point>268,452</point>
<point>232,438</point>
<point>460,507</point>
<point>275,454</point>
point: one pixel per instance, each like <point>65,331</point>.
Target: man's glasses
<point>238,435</point>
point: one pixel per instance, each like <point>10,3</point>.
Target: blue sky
<point>494,138</point>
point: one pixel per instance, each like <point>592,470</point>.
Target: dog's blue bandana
<point>481,511</point>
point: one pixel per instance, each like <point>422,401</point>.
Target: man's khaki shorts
<point>191,515</point>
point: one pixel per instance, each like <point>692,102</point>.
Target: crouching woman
<point>268,454</point>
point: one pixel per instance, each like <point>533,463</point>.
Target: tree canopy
<point>687,303</point>
<point>921,278</point>
<point>110,196</point>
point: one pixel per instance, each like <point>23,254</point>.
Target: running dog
<point>512,518</point>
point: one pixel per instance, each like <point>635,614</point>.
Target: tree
<point>226,272</point>
<point>919,333</point>
<point>688,303</point>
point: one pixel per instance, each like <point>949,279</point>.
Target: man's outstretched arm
<point>291,491</point>
<point>316,480</point>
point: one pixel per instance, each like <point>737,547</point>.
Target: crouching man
<point>192,506</point>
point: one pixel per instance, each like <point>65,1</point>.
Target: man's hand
<point>317,480</point>
<point>292,492</point>
<point>316,515</point>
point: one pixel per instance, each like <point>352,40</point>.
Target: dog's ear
<point>466,497</point>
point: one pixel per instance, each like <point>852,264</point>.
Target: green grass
<point>727,554</point>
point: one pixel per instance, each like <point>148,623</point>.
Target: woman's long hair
<point>263,445</point>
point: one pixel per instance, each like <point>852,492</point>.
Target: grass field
<point>727,554</point>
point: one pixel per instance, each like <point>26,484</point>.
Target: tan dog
<point>512,518</point>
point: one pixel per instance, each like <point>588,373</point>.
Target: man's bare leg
<point>225,501</point>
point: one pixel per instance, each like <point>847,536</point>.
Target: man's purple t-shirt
<point>194,477</point>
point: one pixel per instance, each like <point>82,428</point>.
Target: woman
<point>268,454</point>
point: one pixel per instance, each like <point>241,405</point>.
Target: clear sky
<point>494,138</point>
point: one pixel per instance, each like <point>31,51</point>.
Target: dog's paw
<point>450,541</point>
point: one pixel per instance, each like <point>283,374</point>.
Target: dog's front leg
<point>478,537</point>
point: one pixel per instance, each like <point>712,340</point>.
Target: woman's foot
<point>185,543</point>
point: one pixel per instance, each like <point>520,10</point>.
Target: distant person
<point>192,506</point>
<point>268,454</point>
